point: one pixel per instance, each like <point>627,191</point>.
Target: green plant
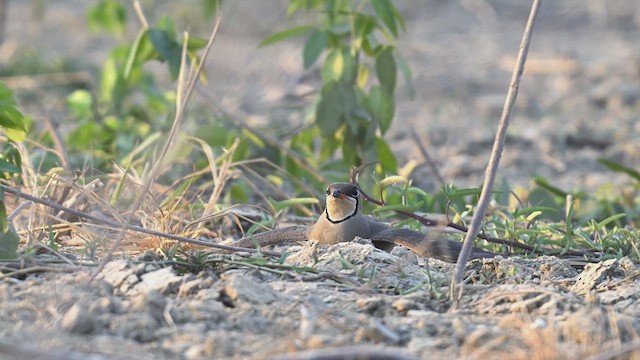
<point>128,106</point>
<point>352,113</point>
<point>14,125</point>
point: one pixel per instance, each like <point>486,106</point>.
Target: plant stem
<point>496,152</point>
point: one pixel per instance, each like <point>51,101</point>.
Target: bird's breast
<point>326,232</point>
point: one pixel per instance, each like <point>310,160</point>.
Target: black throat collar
<point>355,211</point>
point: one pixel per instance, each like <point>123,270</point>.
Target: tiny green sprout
<point>282,258</point>
<point>533,216</point>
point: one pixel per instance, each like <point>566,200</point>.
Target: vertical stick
<point>496,152</point>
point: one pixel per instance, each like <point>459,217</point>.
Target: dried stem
<point>155,169</point>
<point>126,226</point>
<point>496,153</point>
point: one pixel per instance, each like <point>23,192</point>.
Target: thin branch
<point>496,153</point>
<point>432,164</point>
<point>38,269</point>
<point>431,223</point>
<point>139,229</point>
<point>155,169</point>
<point>140,14</point>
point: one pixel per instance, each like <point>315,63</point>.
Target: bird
<point>342,220</point>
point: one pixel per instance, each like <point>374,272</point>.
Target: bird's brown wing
<point>426,245</point>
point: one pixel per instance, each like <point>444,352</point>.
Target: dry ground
<point>579,100</point>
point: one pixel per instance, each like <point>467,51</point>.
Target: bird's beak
<point>338,194</point>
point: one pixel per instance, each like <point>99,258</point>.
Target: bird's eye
<point>355,192</point>
<point>328,191</point>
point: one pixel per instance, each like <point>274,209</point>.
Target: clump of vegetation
<point>118,126</point>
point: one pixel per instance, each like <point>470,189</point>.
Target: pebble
<point>76,320</point>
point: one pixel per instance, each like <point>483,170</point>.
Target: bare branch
<point>496,152</point>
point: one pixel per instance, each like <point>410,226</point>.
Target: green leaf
<point>10,116</point>
<point>617,167</point>
<point>15,135</point>
<point>109,79</point>
<point>80,103</point>
<point>285,204</point>
<point>544,183</point>
<point>386,69</point>
<point>453,193</point>
<point>399,207</point>
<point>392,180</point>
<point>168,49</point>
<point>333,66</point>
<point>385,155</point>
<point>530,210</point>
<point>8,167</point>
<point>285,34</point>
<point>336,105</point>
<point>89,134</point>
<point>350,66</point>
<point>364,26</point>
<point>135,53</point>
<point>211,7</point>
<point>415,190</point>
<point>10,163</point>
<point>196,43</point>
<point>9,240</point>
<point>109,15</point>
<point>382,107</point>
<point>384,9</point>
<point>609,220</point>
<point>408,77</point>
<point>313,48</point>
<point>4,224</point>
<point>239,193</point>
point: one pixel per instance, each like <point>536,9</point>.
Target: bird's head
<point>343,202</point>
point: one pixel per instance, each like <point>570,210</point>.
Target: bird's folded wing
<point>427,246</point>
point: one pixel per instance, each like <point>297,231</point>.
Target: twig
<point>430,223</point>
<point>139,229</point>
<point>345,352</point>
<point>427,157</point>
<point>38,268</point>
<point>140,14</point>
<point>57,143</point>
<point>496,153</point>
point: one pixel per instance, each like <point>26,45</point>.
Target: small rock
<point>77,321</point>
<point>594,275</point>
<point>151,302</point>
<point>163,281</point>
<point>140,327</point>
<point>370,305</point>
<point>120,275</point>
<point>240,288</point>
<point>403,305</point>
<point>193,286</point>
<point>586,325</point>
<point>319,341</point>
<point>149,256</point>
<point>107,304</point>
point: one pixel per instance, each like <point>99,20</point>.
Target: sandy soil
<point>579,101</point>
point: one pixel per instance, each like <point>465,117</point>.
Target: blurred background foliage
<point>118,118</point>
